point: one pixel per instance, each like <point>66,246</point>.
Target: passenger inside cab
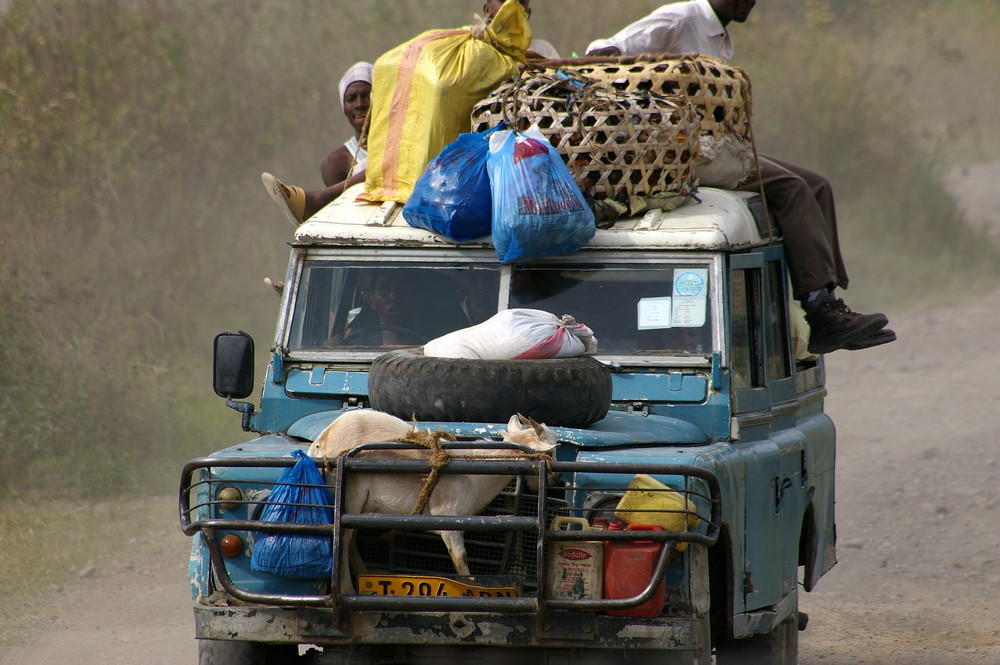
<point>388,307</point>
<point>404,307</point>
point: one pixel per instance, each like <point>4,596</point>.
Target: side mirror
<point>232,375</point>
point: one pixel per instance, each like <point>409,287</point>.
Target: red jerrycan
<point>628,567</point>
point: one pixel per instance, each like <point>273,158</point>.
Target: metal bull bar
<point>513,466</point>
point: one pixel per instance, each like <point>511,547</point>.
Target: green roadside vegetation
<point>133,226</point>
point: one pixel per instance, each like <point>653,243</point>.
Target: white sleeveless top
<point>360,154</point>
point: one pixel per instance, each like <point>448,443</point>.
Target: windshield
<point>385,305</point>
<point>633,310</point>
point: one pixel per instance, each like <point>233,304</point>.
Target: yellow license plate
<point>426,585</point>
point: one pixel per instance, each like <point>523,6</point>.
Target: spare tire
<point>564,392</point>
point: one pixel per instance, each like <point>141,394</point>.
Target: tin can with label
<point>575,569</point>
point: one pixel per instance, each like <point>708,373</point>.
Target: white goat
<point>356,427</point>
<point>454,494</point>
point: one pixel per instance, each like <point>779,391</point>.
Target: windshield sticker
<point>690,298</point>
<point>654,313</point>
<point>690,283</point>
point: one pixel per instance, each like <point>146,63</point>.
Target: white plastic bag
<point>517,334</point>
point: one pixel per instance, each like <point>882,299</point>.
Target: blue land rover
<point>698,383</point>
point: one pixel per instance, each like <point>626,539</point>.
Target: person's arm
<point>655,33</point>
<point>338,189</point>
<point>607,50</point>
<point>316,200</point>
<point>336,166</point>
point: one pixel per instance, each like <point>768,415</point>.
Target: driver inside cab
<point>402,307</point>
<point>390,300</point>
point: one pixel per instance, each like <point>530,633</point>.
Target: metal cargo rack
<point>514,525</point>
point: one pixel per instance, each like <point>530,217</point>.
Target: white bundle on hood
<point>516,334</point>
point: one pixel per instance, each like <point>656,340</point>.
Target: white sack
<point>516,334</point>
<point>724,163</point>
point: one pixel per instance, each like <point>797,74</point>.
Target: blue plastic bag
<point>538,210</point>
<point>453,196</point>
<point>299,497</point>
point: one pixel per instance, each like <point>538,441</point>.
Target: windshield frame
<point>486,257</point>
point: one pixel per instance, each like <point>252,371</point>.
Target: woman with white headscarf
<point>343,167</point>
<point>355,99</point>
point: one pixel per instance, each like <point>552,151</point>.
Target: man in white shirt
<point>681,27</point>
<point>801,200</point>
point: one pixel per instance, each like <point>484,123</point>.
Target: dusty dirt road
<point>918,581</point>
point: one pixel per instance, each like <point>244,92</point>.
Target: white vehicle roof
<point>719,220</point>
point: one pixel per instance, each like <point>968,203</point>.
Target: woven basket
<point>720,93</point>
<point>616,145</point>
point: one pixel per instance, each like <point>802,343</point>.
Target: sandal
<point>291,200</point>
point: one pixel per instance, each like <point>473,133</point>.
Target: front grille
<point>489,552</point>
<point>504,541</point>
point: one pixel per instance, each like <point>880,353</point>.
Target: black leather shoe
<point>832,325</point>
<point>883,336</point>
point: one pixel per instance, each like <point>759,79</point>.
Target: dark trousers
<point>801,204</point>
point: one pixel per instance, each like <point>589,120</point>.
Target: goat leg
<point>455,542</point>
<point>348,551</point>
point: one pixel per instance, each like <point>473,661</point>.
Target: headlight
<point>229,497</point>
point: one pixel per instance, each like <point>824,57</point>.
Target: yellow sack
<point>648,501</point>
<point>424,91</point>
